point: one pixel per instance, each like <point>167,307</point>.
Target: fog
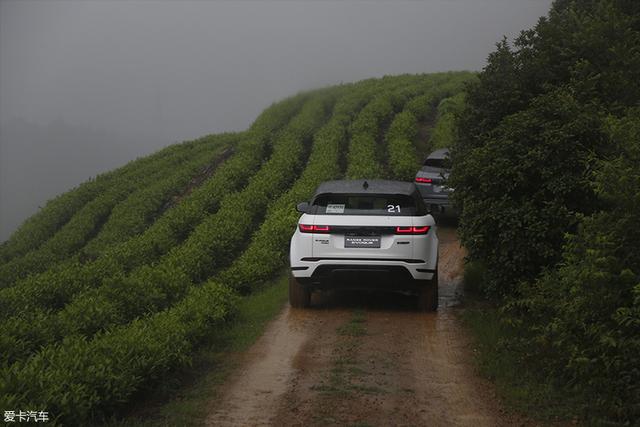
<point>87,86</point>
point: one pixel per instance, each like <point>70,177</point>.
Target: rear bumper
<point>332,273</point>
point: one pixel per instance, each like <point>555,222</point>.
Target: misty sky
<point>86,86</point>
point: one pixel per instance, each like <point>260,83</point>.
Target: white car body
<point>395,249</point>
<point>404,261</point>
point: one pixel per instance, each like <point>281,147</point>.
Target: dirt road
<point>365,360</point>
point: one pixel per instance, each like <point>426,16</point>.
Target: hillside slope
<point>115,283</point>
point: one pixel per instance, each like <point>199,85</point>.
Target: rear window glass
<point>437,163</point>
<point>360,204</point>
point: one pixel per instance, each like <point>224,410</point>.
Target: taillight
<point>413,230</point>
<point>422,180</point>
<point>306,228</point>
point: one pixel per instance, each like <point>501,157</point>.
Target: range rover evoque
<point>365,234</point>
<point>431,182</point>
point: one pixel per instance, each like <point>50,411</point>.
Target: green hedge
<point>79,379</point>
<point>443,133</point>
<point>403,160</point>
<point>580,322</point>
<point>134,215</point>
<point>545,168</point>
<point>269,245</point>
<point>141,351</point>
<point>365,153</point>
<point>85,224</point>
<point>47,221</point>
<point>212,244</point>
<point>54,288</point>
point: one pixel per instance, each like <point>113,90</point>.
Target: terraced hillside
<point>116,282</point>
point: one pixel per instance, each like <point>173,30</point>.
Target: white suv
<point>365,235</point>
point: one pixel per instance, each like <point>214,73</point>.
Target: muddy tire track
<point>367,360</point>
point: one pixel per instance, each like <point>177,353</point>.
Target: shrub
<point>212,244</point>
<point>546,175</point>
<point>475,277</point>
<point>55,287</point>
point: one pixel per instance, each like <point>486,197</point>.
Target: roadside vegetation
<point>114,286</point>
<point>184,398</point>
<point>546,167</point>
<point>120,284</point>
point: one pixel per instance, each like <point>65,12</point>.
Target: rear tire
<point>299,296</point>
<point>428,296</point>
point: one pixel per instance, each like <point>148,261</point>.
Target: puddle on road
<point>450,268</point>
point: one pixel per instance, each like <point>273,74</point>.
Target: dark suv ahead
<point>430,181</point>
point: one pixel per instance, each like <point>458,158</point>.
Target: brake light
<point>413,230</point>
<point>307,228</point>
<point>422,180</point>
<point>420,230</point>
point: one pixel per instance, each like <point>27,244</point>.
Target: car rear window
<point>366,204</point>
<point>437,163</point>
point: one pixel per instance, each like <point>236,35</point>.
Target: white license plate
<point>361,242</point>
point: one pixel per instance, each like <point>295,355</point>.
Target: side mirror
<point>302,207</point>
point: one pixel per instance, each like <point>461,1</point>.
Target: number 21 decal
<point>393,208</point>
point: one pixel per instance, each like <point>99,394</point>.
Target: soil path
<point>365,360</point>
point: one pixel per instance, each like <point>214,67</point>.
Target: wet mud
<point>365,359</point>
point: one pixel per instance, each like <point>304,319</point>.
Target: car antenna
<point>365,185</point>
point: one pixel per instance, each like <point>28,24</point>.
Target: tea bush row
<point>47,221</point>
<point>212,244</point>
<point>52,289</point>
<point>87,221</point>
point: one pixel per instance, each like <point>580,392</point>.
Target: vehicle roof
<point>374,186</point>
<point>439,154</point>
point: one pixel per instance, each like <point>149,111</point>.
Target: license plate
<point>361,242</point>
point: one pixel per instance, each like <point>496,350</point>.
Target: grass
<point>346,373</point>
<point>355,327</point>
<point>184,398</point>
<point>519,386</point>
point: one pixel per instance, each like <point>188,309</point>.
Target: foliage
<point>133,215</point>
<point>83,226</point>
<point>521,189</point>
<point>57,212</point>
<point>475,277</point>
<point>213,243</point>
<point>267,251</point>
<point>85,336</point>
<point>55,287</point>
<point>401,136</point>
<point>362,158</point>
<point>584,316</point>
<point>79,378</point>
<point>444,131</point>
<point>403,160</point>
<point>545,168</point>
